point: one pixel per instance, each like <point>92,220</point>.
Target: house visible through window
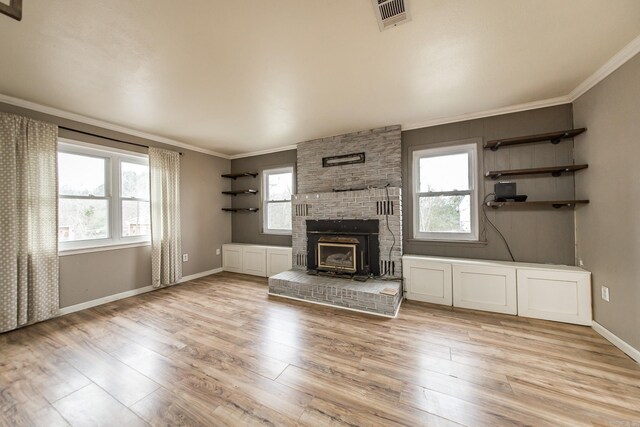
<point>278,188</point>
<point>445,193</point>
<point>103,197</point>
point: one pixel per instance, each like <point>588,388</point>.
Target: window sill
<point>448,242</point>
<point>66,252</point>
<point>276,234</point>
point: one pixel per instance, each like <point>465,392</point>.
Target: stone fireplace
<point>347,221</point>
<point>347,212</point>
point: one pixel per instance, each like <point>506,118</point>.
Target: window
<point>445,194</point>
<point>103,197</point>
<point>278,187</point>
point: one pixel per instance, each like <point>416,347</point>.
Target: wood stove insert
<point>343,247</point>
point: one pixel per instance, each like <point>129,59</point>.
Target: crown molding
<point>102,124</point>
<point>619,59</point>
<point>267,151</point>
<point>488,113</point>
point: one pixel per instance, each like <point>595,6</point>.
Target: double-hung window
<point>445,202</point>
<point>103,197</point>
<point>277,191</point>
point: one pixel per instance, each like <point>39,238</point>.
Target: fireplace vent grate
<point>384,208</point>
<point>301,260</point>
<point>302,209</point>
<point>387,268</point>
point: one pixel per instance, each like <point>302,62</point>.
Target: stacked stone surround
<point>316,198</point>
<point>382,166</point>
<point>363,204</point>
<point>376,193</point>
<point>338,292</point>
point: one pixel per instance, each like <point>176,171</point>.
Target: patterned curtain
<point>28,221</point>
<point>166,241</point>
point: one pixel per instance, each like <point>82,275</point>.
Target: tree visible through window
<point>136,213</point>
<point>103,197</point>
<point>278,188</point>
<point>84,204</point>
<point>445,194</point>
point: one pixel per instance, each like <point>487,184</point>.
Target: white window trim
<point>265,202</point>
<point>114,158</point>
<point>472,150</point>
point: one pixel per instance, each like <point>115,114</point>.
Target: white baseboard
<point>340,307</point>
<point>104,300</point>
<point>199,275</point>
<point>127,294</point>
<point>617,341</point>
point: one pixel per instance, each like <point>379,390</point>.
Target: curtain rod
<point>105,137</point>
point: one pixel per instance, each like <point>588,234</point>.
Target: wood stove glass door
<point>337,257</point>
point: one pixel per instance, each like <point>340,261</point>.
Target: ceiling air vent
<point>390,13</point>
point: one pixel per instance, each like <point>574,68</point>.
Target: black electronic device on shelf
<point>507,192</point>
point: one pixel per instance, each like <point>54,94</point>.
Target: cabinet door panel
<point>278,260</point>
<point>428,281</point>
<point>254,261</point>
<point>485,288</point>
<point>555,295</point>
<point>232,258</point>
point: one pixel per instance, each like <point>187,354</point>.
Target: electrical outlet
<point>218,251</point>
<point>605,293</point>
<point>185,257</point>
<point>580,262</point>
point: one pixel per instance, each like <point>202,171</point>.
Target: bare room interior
<point>319,213</point>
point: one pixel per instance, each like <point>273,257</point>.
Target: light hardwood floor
<point>219,351</point>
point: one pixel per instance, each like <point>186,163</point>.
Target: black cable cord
<point>484,206</point>
<point>386,216</point>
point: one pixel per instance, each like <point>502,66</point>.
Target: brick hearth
<point>337,292</point>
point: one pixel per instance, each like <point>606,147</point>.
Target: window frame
<point>265,198</point>
<point>470,148</point>
<point>113,188</point>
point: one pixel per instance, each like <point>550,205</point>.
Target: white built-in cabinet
<point>257,260</point>
<point>541,291</point>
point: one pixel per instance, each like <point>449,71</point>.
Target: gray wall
<point>608,236</point>
<point>85,277</point>
<point>247,226</point>
<point>542,235</point>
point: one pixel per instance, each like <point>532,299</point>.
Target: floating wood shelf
<point>552,203</point>
<point>240,209</point>
<point>553,170</point>
<point>236,192</point>
<point>553,137</point>
<point>239,175</point>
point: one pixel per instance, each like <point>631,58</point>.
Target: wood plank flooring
<point>219,351</point>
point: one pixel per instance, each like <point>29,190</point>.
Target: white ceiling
<point>243,76</point>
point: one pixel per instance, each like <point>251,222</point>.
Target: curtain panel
<point>28,221</point>
<point>166,240</point>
